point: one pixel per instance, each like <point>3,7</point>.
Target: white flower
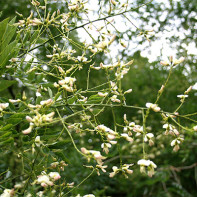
<point>148,137</point>
<point>28,130</point>
<point>124,135</point>
<point>152,106</point>
<point>89,195</point>
<point>38,141</point>
<point>182,96</point>
<point>96,154</point>
<point>82,59</point>
<point>128,91</point>
<point>149,165</point>
<point>105,147</point>
<point>180,60</point>
<point>100,167</point>
<point>176,143</point>
<point>115,171</point>
<point>195,128</point>
<point>44,180</point>
<point>102,94</point>
<point>114,99</point>
<point>3,106</point>
<point>14,101</point>
<point>54,175</point>
<point>7,193</point>
<point>46,102</point>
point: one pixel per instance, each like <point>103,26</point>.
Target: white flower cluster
<point>96,155</point>
<point>37,121</point>
<point>66,83</point>
<point>172,61</point>
<point>131,126</point>
<point>124,169</point>
<point>152,106</point>
<point>76,5</point>
<point>46,180</point>
<point>170,129</point>
<point>147,166</point>
<point>60,164</point>
<point>3,106</point>
<point>176,143</point>
<point>148,138</point>
<point>110,134</point>
<point>7,193</point>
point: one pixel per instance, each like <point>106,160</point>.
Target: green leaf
<point>50,92</point>
<point>4,84</point>
<point>9,32</point>
<point>3,25</point>
<point>9,141</point>
<point>94,99</point>
<point>57,96</point>
<point>5,136</point>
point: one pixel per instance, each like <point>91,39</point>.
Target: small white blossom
<point>152,106</point>
<point>54,175</point>
<point>195,128</point>
<point>44,181</point>
<point>147,164</point>
<point>3,106</point>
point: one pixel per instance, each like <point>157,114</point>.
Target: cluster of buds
<point>46,180</point>
<point>37,121</point>
<point>176,143</point>
<point>101,46</point>
<point>170,129</point>
<point>124,169</point>
<point>95,154</point>
<point>46,102</point>
<point>76,127</point>
<point>29,21</point>
<point>110,134</point>
<point>76,5</point>
<point>131,126</point>
<point>154,107</point>
<point>64,21</point>
<point>172,61</point>
<point>147,166</point>
<point>63,54</point>
<point>67,83</point>
<point>127,137</point>
<point>103,94</point>
<point>123,69</point>
<point>148,138</point>
<point>60,165</point>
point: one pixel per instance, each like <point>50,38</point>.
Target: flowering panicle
<point>170,129</point>
<point>95,154</point>
<point>152,106</point>
<point>67,83</point>
<point>147,166</point>
<point>124,169</point>
<point>46,180</point>
<point>176,143</point>
<point>38,120</point>
<point>172,61</point>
